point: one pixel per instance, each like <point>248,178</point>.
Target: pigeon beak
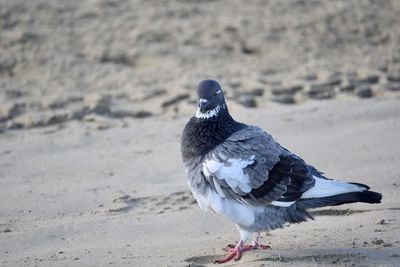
<point>202,103</point>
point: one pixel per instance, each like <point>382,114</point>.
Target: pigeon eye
<point>216,92</point>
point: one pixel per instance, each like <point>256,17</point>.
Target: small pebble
<point>316,89</point>
<point>347,88</point>
<point>334,81</point>
<point>377,241</point>
<point>116,57</point>
<point>174,100</point>
<point>247,49</point>
<point>255,92</point>
<point>284,99</point>
<point>381,221</point>
<point>393,78</point>
<point>364,91</point>
<point>383,68</point>
<point>287,90</point>
<point>322,87</point>
<point>322,95</point>
<point>394,87</point>
<point>371,79</point>
<point>142,114</point>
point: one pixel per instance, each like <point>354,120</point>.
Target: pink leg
<point>231,248</point>
<point>257,244</point>
<point>235,252</point>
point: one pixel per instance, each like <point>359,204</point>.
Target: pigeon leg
<point>257,244</point>
<point>236,252</point>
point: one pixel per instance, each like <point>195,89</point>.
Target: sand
<point>70,197</point>
<point>94,96</point>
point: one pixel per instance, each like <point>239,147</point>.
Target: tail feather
<point>364,196</point>
<point>362,185</point>
<point>328,187</point>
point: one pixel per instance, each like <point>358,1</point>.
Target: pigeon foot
<point>257,245</point>
<point>235,252</point>
<point>229,248</point>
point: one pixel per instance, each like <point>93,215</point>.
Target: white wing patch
<point>282,203</point>
<point>231,171</point>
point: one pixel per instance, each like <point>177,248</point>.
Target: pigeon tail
<point>352,197</point>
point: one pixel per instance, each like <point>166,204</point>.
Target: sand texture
<point>94,95</point>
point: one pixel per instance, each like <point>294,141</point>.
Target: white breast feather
<point>238,213</point>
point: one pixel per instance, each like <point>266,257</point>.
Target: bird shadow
<point>317,257</point>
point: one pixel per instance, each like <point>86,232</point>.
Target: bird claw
<point>262,246</point>
<point>229,248</point>
<point>235,252</point>
<point>255,245</point>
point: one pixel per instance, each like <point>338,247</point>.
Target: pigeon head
<point>210,99</point>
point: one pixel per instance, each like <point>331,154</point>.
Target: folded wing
<point>252,168</point>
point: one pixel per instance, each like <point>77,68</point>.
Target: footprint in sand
<point>152,205</point>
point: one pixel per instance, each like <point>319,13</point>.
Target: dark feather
<point>287,180</point>
<point>365,197</point>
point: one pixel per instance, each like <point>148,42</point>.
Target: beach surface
<point>94,96</point>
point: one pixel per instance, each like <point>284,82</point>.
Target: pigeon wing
<point>251,167</point>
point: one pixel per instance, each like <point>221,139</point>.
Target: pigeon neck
<point>202,135</point>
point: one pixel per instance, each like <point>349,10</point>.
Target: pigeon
<point>240,172</point>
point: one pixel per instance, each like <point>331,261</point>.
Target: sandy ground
<point>94,95</point>
<point>75,197</point>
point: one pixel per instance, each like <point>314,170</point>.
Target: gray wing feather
<point>250,143</point>
<point>250,167</point>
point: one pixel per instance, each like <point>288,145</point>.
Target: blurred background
<point>81,60</point>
